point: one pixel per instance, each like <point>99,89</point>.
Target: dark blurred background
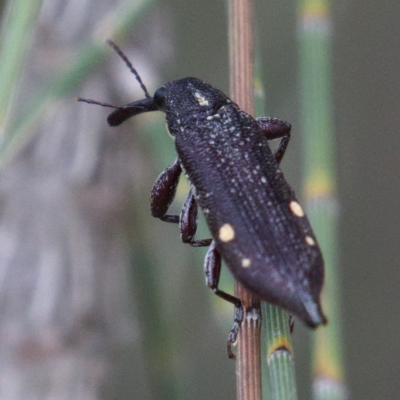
<point>98,299</point>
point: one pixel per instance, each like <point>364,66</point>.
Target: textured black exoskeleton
<point>257,225</point>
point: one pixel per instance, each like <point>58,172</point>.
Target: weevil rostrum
<point>257,225</point>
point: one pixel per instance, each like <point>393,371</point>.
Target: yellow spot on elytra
<point>296,209</point>
<point>246,262</point>
<point>310,241</point>
<point>201,99</point>
<point>226,233</point>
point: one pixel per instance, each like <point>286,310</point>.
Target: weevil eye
<point>159,97</point>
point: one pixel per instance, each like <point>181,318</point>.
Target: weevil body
<point>257,225</point>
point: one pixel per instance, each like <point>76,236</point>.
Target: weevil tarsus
<point>291,323</point>
<point>212,270</point>
<point>234,332</point>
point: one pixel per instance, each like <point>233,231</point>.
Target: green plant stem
<point>279,354</point>
<point>280,371</point>
<point>320,186</point>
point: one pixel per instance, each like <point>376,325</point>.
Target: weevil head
<point>191,95</point>
<point>186,99</point>
<point>188,96</point>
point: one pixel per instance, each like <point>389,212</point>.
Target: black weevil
<point>257,225</point>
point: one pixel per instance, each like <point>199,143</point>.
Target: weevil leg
<point>164,191</point>
<point>188,223</point>
<point>273,128</point>
<point>291,323</point>
<point>212,268</point>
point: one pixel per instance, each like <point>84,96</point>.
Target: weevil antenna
<point>99,103</point>
<point>130,66</point>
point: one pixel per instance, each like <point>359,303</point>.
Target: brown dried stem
<point>241,59</point>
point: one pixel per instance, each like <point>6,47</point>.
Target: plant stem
<point>320,186</point>
<point>279,370</point>
<point>240,30</point>
<point>280,354</point>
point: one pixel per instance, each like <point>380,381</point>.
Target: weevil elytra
<point>257,225</point>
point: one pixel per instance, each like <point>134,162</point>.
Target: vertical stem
<point>241,57</point>
<point>280,354</point>
<point>248,364</point>
<point>279,365</point>
<point>320,186</point>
